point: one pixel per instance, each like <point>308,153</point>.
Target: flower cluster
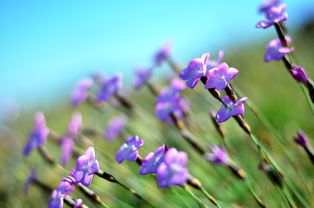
<point>115,127</point>
<point>162,54</point>
<point>274,14</point>
<point>80,92</point>
<point>108,88</point>
<point>142,76</point>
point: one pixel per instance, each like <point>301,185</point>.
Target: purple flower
<point>299,74</point>
<point>75,125</point>
<point>173,171</point>
<point>80,92</point>
<point>67,145</point>
<point>66,186</point>
<point>57,200</point>
<point>172,92</point>
<point>276,51</point>
<point>38,135</point>
<point>162,54</point>
<point>152,161</point>
<point>231,109</point>
<point>78,203</point>
<point>29,181</point>
<point>86,166</point>
<point>195,70</point>
<point>109,87</point>
<point>273,15</point>
<point>115,127</point>
<point>129,150</point>
<point>301,139</point>
<point>266,5</point>
<point>142,76</point>
<point>220,77</point>
<point>218,155</point>
<point>213,64</point>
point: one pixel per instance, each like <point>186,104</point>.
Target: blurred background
<point>47,46</point>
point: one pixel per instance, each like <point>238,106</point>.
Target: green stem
<point>251,190</point>
<point>198,200</point>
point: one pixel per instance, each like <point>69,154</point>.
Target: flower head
<point>299,74</point>
<point>230,109</point>
<point>29,181</point>
<point>67,145</point>
<point>75,125</point>
<point>80,92</point>
<point>195,70</point>
<point>38,135</point>
<point>173,171</point>
<point>301,139</point>
<point>267,4</point>
<point>153,160</point>
<point>218,155</point>
<point>108,88</point>
<point>57,200</point>
<point>86,166</point>
<point>129,150</point>
<point>220,77</point>
<point>273,15</point>
<point>214,63</point>
<point>115,127</point>
<point>142,76</point>
<point>65,187</point>
<point>276,51</point>
<point>162,54</point>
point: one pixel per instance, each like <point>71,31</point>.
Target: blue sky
<point>46,46</point>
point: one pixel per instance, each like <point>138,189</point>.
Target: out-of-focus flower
<point>29,181</point>
<point>220,77</point>
<point>67,145</point>
<point>162,54</point>
<point>214,63</point>
<point>86,166</point>
<point>230,109</point>
<point>57,200</point>
<point>276,51</point>
<point>172,170</point>
<point>299,74</point>
<point>66,186</point>
<point>38,135</point>
<point>273,15</point>
<point>153,160</point>
<point>218,155</point>
<point>78,203</point>
<point>301,139</point>
<point>171,92</point>
<point>109,88</point>
<point>80,92</point>
<point>115,127</point>
<point>195,70</point>
<point>75,125</point>
<point>142,75</point>
<point>266,5</point>
<point>129,150</point>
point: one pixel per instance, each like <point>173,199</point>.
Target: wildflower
<point>57,200</point>
<point>299,74</point>
<point>67,145</point>
<point>230,109</point>
<point>266,5</point>
<point>109,88</point>
<point>129,150</point>
<point>276,51</point>
<point>172,170</point>
<point>301,139</point>
<point>29,181</point>
<point>38,135</point>
<point>78,203</point>
<point>115,127</point>
<point>153,160</point>
<point>212,64</point>
<point>162,54</point>
<point>66,186</point>
<point>75,125</point>
<point>172,92</point>
<point>80,92</point>
<point>218,156</point>
<point>195,70</point>
<point>142,76</point>
<point>273,15</point>
<point>86,166</point>
<point>220,77</point>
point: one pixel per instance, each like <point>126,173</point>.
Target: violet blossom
<point>38,135</point>
<point>276,51</point>
<point>129,150</point>
<point>115,127</point>
<point>30,179</point>
<point>78,203</point>
<point>273,15</point>
<point>142,76</point>
<point>267,4</point>
<point>299,74</point>
<point>67,145</point>
<point>162,54</point>
<point>301,139</point>
<point>152,161</point>
<point>218,155</point>
<point>109,87</point>
<point>75,125</point>
<point>230,109</point>
<point>80,92</point>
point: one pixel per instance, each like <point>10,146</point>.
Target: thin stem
<point>199,201</point>
<point>251,190</point>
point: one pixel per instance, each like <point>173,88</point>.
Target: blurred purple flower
<point>129,150</point>
<point>142,75</point>
<point>29,181</point>
<point>212,64</point>
<point>80,92</point>
<point>276,51</point>
<point>299,74</point>
<point>195,70</point>
<point>153,160</point>
<point>220,77</point>
<point>38,135</point>
<point>266,5</point>
<point>86,166</point>
<point>218,155</point>
<point>162,54</point>
<point>75,125</point>
<point>67,145</point>
<point>108,88</point>
<point>78,203</point>
<point>301,139</point>
<point>173,171</point>
<point>57,200</point>
<point>273,15</point>
<point>115,127</point>
<point>172,92</point>
<point>66,186</point>
<point>231,109</point>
